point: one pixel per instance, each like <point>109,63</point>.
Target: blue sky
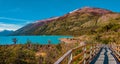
<point>17,13</point>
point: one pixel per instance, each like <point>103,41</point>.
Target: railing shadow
<point>106,56</point>
<point>96,57</point>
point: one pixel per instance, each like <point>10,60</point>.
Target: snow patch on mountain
<point>74,11</point>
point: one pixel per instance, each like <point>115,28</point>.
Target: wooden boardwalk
<point>92,54</point>
<point>105,57</point>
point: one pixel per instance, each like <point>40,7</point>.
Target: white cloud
<point>4,26</point>
<point>7,26</point>
<point>14,19</point>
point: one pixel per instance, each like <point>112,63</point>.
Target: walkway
<point>92,54</point>
<point>104,57</point>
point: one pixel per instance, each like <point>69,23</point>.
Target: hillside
<point>30,28</point>
<point>78,22</point>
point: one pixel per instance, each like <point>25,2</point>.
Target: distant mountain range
<point>78,22</point>
<point>6,32</point>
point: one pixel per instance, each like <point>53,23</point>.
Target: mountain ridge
<point>90,10</point>
<point>78,22</point>
<point>6,32</point>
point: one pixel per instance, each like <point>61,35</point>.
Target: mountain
<point>82,21</point>
<point>6,32</point>
<point>91,10</point>
<point>30,28</point>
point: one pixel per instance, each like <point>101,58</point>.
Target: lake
<point>6,40</point>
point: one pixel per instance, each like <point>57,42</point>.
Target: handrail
<point>80,54</point>
<point>63,57</point>
<point>116,50</point>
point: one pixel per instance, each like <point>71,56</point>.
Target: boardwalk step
<point>112,62</point>
<point>101,59</point>
<point>99,62</point>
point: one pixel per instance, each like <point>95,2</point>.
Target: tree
<point>49,41</point>
<point>14,40</point>
<point>29,44</point>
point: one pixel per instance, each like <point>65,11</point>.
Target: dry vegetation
<point>32,53</point>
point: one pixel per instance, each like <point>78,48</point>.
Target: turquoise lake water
<point>6,40</point>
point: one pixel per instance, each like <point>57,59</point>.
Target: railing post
<point>97,46</point>
<point>119,49</point>
<point>94,49</point>
<point>70,59</point>
<point>84,55</point>
<point>91,52</point>
<point>114,47</point>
